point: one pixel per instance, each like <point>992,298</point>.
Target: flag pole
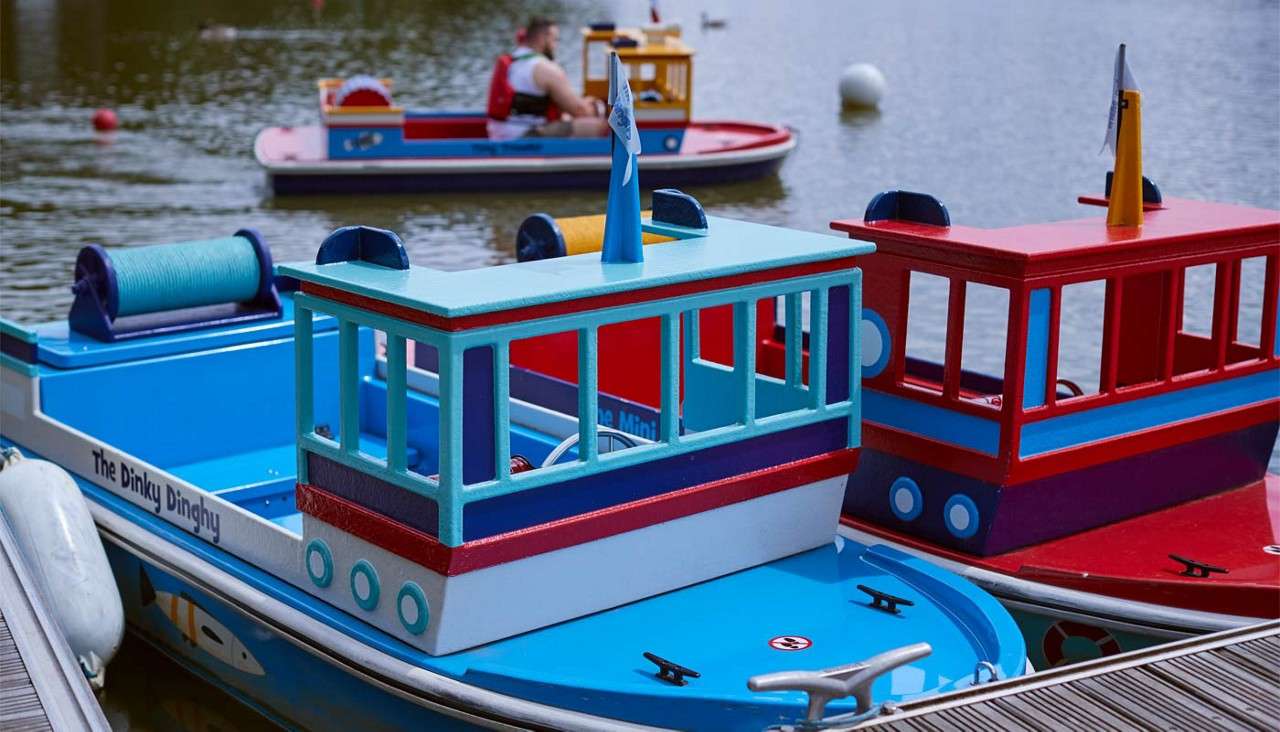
<point>622,235</point>
<point>1124,205</point>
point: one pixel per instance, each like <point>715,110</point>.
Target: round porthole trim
<point>960,514</point>
<point>417,617</point>
<point>905,499</point>
<point>877,344</point>
<point>319,563</point>
<point>366,596</point>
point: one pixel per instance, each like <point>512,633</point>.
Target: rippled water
<point>998,108</point>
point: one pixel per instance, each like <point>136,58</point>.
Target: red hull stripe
<point>551,309</point>
<point>424,549</point>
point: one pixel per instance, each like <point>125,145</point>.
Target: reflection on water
<point>998,108</point>
<point>147,691</point>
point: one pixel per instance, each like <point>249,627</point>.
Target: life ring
<point>1058,633</point>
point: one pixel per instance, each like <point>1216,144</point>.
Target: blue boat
<point>305,516</point>
<point>367,143</point>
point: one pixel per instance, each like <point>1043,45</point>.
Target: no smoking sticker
<point>789,643</point>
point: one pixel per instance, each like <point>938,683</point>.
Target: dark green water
<point>998,108</point>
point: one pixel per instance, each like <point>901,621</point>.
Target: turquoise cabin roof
<point>727,247</point>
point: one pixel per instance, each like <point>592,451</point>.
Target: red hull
<point>1130,559</point>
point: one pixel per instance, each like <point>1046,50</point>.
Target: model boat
<point>366,143</point>
<point>1098,465</point>
<point>308,511</point>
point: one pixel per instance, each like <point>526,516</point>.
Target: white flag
<point>1123,80</point>
<point>622,118</point>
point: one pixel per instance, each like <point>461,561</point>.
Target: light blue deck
<point>729,247</point>
<point>719,628</point>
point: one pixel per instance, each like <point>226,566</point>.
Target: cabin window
<point>1080,333</point>
<point>927,329</point>
<point>624,423</point>
<point>546,398</point>
<point>1197,300</point>
<point>1194,340</point>
<point>986,330</point>
<point>1246,344</point>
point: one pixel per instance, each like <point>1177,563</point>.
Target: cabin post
<point>588,359</point>
<point>669,416</point>
<point>449,493</point>
<point>502,410</point>
<point>348,386</point>
<point>818,347</point>
<point>855,359</point>
<point>303,372</point>
<point>395,403</point>
<point>794,334</point>
<point>744,359</point>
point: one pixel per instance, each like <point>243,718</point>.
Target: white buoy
<point>861,86</point>
<point>54,529</point>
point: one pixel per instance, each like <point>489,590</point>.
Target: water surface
<point>996,107</point>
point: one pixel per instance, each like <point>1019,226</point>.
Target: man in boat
<point>540,93</point>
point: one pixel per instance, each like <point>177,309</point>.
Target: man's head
<point>542,35</point>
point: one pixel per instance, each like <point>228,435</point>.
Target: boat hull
<point>1062,625</point>
<point>304,168</point>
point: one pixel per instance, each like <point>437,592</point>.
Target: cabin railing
<point>452,493</point>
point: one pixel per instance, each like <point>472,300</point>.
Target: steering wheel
<point>1072,387</point>
<point>623,438</point>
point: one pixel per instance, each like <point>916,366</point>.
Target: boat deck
<point>41,686</point>
<point>1227,680</point>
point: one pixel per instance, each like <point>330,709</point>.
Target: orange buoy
<point>104,120</point>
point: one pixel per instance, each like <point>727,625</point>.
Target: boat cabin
<point>360,118</point>
<point>1026,383</point>
<point>459,505</point>
<point>659,67</point>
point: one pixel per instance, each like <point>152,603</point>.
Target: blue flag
<point>622,217</point>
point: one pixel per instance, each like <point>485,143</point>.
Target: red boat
<point>1110,514</point>
<point>1078,416</point>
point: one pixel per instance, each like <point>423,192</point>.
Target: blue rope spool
<point>163,277</point>
<point>171,287</point>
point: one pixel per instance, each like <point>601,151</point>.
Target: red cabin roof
<point>1178,228</point>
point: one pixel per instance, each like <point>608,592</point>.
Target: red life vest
<point>504,100</point>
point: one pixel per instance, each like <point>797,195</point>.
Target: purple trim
<point>287,183</point>
<point>838,344</point>
<point>17,348</point>
<point>478,431</point>
<point>589,493</point>
<point>610,488</point>
<point>389,500</point>
<point>1063,504</point>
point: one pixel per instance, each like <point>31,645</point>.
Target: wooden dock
<point>1228,680</point>
<point>41,685</point>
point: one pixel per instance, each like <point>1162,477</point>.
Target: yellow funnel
<point>1125,205</point>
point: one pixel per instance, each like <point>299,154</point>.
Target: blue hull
<point>287,184</point>
<point>316,695</point>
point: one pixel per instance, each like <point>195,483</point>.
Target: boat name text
<point>167,497</point>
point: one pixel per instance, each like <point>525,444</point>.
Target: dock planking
<point>1223,681</point>
<point>20,707</point>
<point>41,685</point>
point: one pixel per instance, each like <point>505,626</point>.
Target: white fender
<point>60,543</point>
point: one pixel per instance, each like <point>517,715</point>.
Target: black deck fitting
<point>672,673</point>
<point>884,601</point>
<point>1196,569</point>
